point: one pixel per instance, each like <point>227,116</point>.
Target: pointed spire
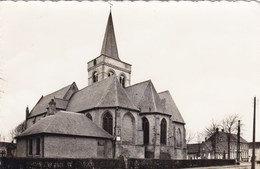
<point>109,47</point>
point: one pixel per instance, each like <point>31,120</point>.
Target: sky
<point>207,54</point>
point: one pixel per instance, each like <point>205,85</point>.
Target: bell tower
<point>109,63</point>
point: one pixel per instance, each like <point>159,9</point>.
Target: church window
<point>94,62</point>
<point>145,125</point>
<point>179,138</point>
<point>89,116</point>
<point>30,147</point>
<point>163,131</point>
<point>38,146</point>
<point>122,80</point>
<point>110,73</point>
<point>108,123</point>
<point>95,77</point>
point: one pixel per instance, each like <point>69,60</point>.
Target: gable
<point>60,96</point>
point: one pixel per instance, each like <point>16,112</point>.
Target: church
<point>108,118</point>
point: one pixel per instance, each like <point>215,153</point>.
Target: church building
<point>108,118</point>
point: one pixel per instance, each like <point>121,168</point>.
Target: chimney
<point>51,110</point>
<point>27,113</point>
<point>217,130</point>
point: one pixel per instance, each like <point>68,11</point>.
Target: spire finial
<point>110,4</point>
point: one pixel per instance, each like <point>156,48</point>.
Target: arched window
<point>163,131</point>
<point>89,116</point>
<point>145,124</point>
<point>108,123</point>
<point>179,138</point>
<point>122,80</point>
<point>95,77</point>
<point>128,129</point>
<point>110,73</point>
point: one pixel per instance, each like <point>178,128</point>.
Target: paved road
<point>241,166</point>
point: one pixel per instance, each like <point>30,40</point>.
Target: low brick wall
<point>52,163</point>
<point>170,164</point>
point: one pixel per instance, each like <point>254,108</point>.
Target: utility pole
<point>238,142</point>
<point>253,155</point>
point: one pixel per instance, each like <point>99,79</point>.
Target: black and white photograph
<point>129,84</point>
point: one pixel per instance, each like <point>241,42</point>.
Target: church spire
<point>109,47</point>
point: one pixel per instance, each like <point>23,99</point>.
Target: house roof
<point>66,123</point>
<point>193,148</point>
<point>257,144</point>
<point>106,93</point>
<point>170,107</point>
<point>59,96</point>
<point>109,47</point>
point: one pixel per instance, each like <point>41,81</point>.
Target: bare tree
<point>16,131</point>
<point>229,124</point>
<point>211,129</point>
<point>190,136</point>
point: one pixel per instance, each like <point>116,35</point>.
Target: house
<point>108,118</point>
<point>257,151</point>
<point>216,146</point>
<point>194,151</point>
<point>7,149</point>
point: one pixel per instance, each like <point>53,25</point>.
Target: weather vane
<point>110,4</point>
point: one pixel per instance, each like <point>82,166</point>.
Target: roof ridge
<point>57,90</point>
<point>146,81</point>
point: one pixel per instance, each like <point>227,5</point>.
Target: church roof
<point>59,96</point>
<point>109,47</point>
<point>106,93</point>
<point>145,97</point>
<point>170,107</point>
<point>67,123</point>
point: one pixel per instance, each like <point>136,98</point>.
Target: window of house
<point>145,125</point>
<point>163,131</point>
<point>108,123</point>
<point>38,146</point>
<point>95,77</point>
<point>89,116</point>
<point>30,147</point>
<point>122,80</point>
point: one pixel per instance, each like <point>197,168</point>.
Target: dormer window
<point>122,80</point>
<point>95,77</point>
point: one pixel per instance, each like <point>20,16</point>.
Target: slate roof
<point>106,93</point>
<point>170,107</point>
<point>58,96</point>
<point>145,97</point>
<point>67,123</point>
<point>222,141</point>
<point>109,47</point>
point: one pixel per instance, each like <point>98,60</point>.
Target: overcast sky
<point>206,54</point>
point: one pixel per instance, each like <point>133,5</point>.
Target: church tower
<point>109,63</point>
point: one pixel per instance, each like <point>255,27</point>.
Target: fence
<point>53,163</point>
